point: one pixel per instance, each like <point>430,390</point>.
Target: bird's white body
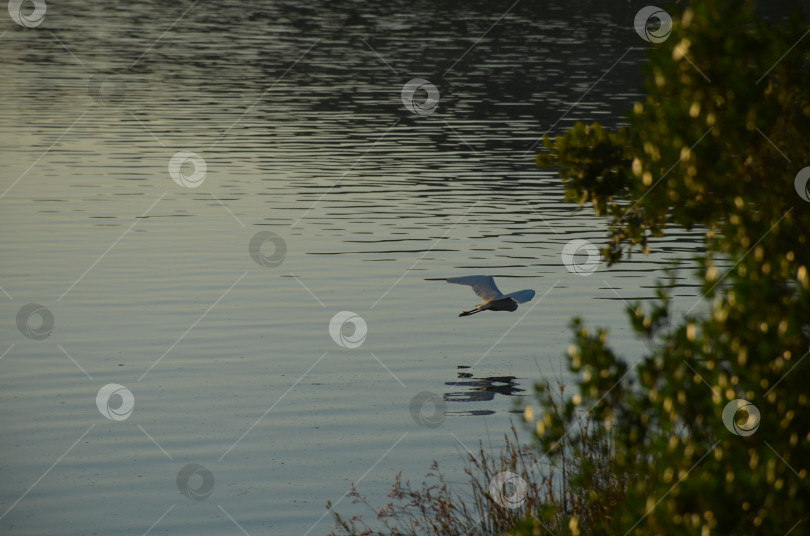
<point>494,300</point>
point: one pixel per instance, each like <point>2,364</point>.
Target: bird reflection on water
<point>480,390</point>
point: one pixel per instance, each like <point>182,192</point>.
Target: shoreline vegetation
<point>555,485</point>
<point>710,432</point>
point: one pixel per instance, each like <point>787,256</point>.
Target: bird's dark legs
<point>505,304</point>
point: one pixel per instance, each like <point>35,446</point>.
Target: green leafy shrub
<point>716,145</point>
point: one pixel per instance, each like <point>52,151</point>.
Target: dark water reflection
<point>483,389</point>
<point>297,105</point>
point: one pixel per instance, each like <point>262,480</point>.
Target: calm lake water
<point>229,383</point>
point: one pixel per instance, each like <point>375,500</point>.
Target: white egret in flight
<point>494,299</point>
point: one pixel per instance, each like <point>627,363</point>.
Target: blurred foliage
<point>716,146</point>
<point>435,508</point>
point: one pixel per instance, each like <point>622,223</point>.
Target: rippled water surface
<point>296,110</point>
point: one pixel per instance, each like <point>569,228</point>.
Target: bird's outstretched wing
<point>521,296</point>
<point>482,285</point>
